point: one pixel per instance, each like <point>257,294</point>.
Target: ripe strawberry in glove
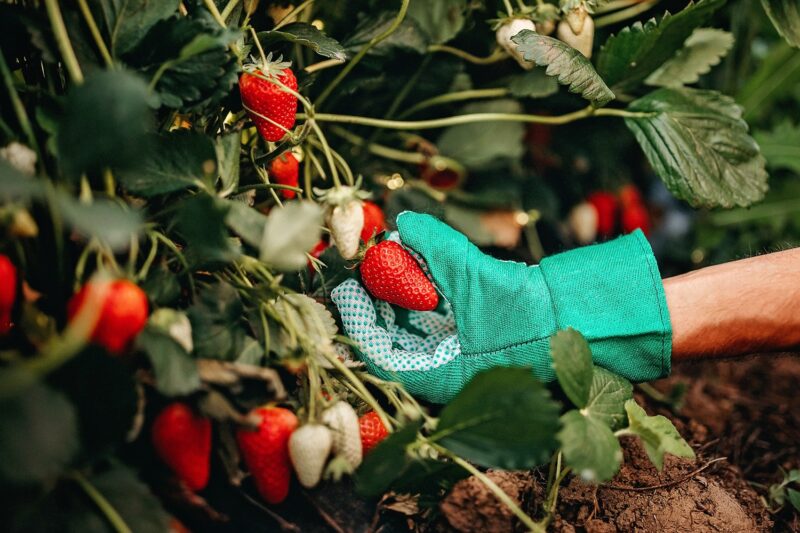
<point>266,452</point>
<point>8,292</point>
<point>372,431</point>
<point>183,441</point>
<point>284,170</point>
<point>606,205</point>
<point>271,109</point>
<point>309,447</point>
<point>374,221</point>
<point>122,317</point>
<point>390,273</point>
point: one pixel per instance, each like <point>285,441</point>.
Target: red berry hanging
<point>8,292</point>
<point>374,221</point>
<point>182,439</point>
<point>285,170</point>
<point>272,109</point>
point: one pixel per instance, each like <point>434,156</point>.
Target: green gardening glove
<point>502,313</point>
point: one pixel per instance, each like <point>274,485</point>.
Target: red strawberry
<point>630,195</point>
<point>266,452</point>
<point>372,431</point>
<point>374,221</point>
<point>271,108</point>
<point>284,170</point>
<point>122,317</point>
<point>606,205</point>
<point>635,216</point>
<point>390,273</point>
<point>8,292</point>
<point>183,441</point>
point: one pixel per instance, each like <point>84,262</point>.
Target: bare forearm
<point>746,306</point>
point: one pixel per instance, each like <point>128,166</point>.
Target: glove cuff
<point>612,293</point>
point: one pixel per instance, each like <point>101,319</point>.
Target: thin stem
<point>215,14</point>
<point>361,53</point>
<point>16,103</point>
<point>342,163</point>
<point>614,5</point>
<point>292,15</point>
<point>229,7</point>
<point>492,486</point>
<point>327,151</point>
<point>95,31</point>
<point>62,41</point>
<point>148,262</point>
<point>498,54</point>
<point>625,14</point>
<point>455,97</point>
<point>323,65</point>
<point>264,186</point>
<point>509,9</point>
<point>102,503</point>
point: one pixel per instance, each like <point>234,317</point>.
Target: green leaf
<point>481,145</point>
<point>188,61</point>
<point>429,480</point>
<point>128,21</point>
<point>104,124</point>
<point>229,149</point>
<point>246,222</point>
<point>658,435</point>
<point>289,233</point>
<point>440,20</point>
<point>781,146</point>
<point>565,62</point>
<point>698,144</point>
<point>785,16</point>
<point>704,48</point>
<point>794,498</point>
<point>776,78</point>
<point>408,37</point>
<point>217,331</point>
<point>589,447</point>
<point>200,220</point>
<point>305,34</point>
<point>532,83</point>
<point>38,435</point>
<point>252,353</point>
<point>572,361</point>
<point>504,418</point>
<point>383,465</point>
<point>175,371</point>
<point>607,397</point>
<point>628,57</point>
<point>174,161</point>
<point>106,220</point>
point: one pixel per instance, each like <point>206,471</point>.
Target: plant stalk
<point>102,503</point>
<point>62,41</point>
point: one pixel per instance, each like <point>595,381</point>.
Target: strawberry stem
<point>93,29</point>
<point>291,15</point>
<point>62,41</point>
<point>102,503</point>
<point>497,55</point>
<point>215,14</point>
<point>625,14</point>
<point>458,96</point>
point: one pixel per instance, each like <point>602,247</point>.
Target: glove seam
<point>655,277</point>
<point>504,348</point>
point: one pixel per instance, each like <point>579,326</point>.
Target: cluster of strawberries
<point>604,213</point>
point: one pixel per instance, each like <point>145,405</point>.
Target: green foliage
<point>785,16</point>
<point>572,361</point>
<point>703,49</point>
<point>306,35</point>
<point>289,232</point>
<point>200,221</point>
<point>631,55</point>
<point>698,144</point>
<point>514,430</point>
<point>441,20</point>
<point>175,371</point>
<point>532,83</point>
<point>126,22</point>
<point>567,64</point>
<point>217,332</point>
<point>781,146</point>
<point>589,447</point>
<point>386,462</point>
<point>775,80</point>
<point>658,435</point>
<point>607,397</point>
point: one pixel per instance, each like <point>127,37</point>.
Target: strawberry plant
<point>183,184</point>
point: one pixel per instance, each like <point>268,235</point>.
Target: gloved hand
<point>502,313</point>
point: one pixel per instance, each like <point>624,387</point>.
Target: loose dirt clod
<point>470,506</point>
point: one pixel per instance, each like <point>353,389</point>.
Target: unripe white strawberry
<point>577,30</point>
<point>583,223</point>
<point>345,222</point>
<point>342,419</point>
<point>507,31</point>
<point>21,157</point>
<point>309,447</point>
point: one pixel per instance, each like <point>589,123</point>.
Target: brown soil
<point>743,420</point>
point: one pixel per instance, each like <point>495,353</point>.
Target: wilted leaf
<point>534,83</point>
<point>698,144</point>
<point>38,435</point>
<point>658,435</point>
<point>607,397</point>
<point>589,447</point>
<point>781,146</point>
<point>307,35</point>
<point>175,371</point>
<point>174,161</point>
<point>383,465</point>
<point>628,57</point>
<point>569,65</point>
<point>785,16</point>
<point>572,361</point>
<point>104,124</point>
<point>440,20</point>
<point>503,418</point>
<point>289,233</point>
<point>479,145</point>
<point>704,48</point>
